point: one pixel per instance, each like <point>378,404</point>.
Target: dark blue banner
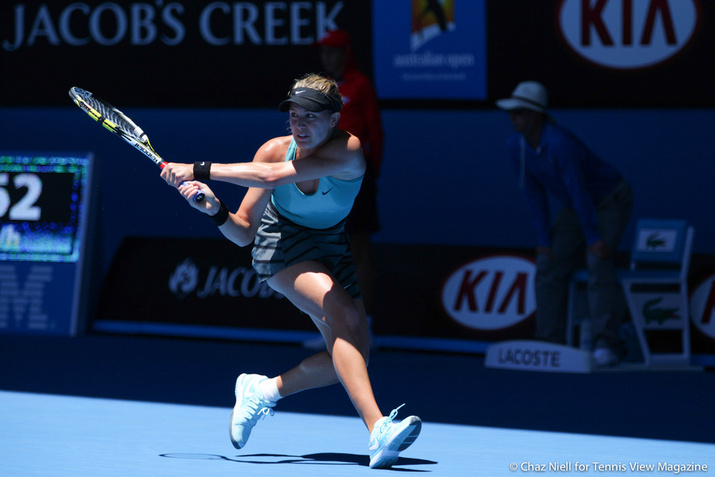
<point>430,49</point>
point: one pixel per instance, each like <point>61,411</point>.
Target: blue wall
<point>446,178</point>
<point>453,183</point>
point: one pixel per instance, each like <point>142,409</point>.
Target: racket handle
<point>199,195</point>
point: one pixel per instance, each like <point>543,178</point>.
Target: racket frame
<point>137,138</point>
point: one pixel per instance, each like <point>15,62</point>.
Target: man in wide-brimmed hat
<point>597,204</point>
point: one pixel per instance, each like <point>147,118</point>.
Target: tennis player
<point>301,188</point>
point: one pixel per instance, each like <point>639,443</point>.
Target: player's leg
<point>318,370</point>
<point>341,320</point>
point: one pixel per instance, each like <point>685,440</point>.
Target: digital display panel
<point>42,199</point>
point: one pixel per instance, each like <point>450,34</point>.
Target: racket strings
<point>116,122</point>
<point>108,112</point>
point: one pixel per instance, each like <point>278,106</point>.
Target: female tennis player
<point>301,188</point>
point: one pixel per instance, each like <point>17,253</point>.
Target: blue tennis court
<point>48,435</point>
<point>109,406</point>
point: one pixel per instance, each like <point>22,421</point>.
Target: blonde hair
<point>320,83</point>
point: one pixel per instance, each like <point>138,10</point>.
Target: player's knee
<point>346,320</point>
<point>352,320</point>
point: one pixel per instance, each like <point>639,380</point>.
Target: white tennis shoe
<point>249,409</point>
<point>388,439</point>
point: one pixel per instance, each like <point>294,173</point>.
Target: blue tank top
<point>323,209</point>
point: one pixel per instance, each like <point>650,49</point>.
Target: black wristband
<point>221,217</point>
<point>202,170</point>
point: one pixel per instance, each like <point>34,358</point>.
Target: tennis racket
<point>117,122</point>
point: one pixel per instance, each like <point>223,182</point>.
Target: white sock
<point>269,388</point>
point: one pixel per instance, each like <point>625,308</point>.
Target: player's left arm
<point>341,157</point>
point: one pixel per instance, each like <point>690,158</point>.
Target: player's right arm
<point>242,225</point>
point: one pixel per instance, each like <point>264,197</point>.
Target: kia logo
<point>628,34</point>
<point>702,307</point>
<point>491,293</point>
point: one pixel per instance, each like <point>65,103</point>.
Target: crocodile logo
<point>660,315</point>
<point>654,240</point>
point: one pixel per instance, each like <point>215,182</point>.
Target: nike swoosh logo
<point>325,192</point>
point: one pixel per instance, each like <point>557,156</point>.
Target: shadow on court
<point>320,458</point>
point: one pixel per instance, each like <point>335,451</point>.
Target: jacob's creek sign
<point>491,293</point>
<point>218,23</point>
<point>222,46</point>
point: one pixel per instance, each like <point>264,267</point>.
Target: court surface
<point>98,406</point>
<point>47,435</point>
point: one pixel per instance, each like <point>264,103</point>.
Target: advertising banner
<point>430,49</point>
<point>194,287</point>
<point>428,297</point>
<point>604,53</point>
<point>207,287</point>
<point>426,53</point>
<point>454,293</point>
<point>172,54</point>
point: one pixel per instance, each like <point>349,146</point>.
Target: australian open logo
<point>430,19</point>
<point>184,279</point>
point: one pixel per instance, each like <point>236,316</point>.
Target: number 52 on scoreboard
<point>42,198</point>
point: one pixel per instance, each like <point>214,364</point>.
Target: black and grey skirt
<point>281,243</point>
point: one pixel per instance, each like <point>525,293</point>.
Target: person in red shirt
<point>360,116</point>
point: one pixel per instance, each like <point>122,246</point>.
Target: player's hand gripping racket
<point>118,123</point>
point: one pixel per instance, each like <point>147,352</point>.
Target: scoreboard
<point>41,205</point>
<point>44,200</point>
